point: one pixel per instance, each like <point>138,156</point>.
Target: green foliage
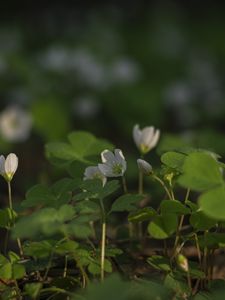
<point>58,194</point>
<point>174,207</point>
<point>212,203</point>
<point>126,203</point>
<point>11,268</point>
<point>174,160</point>
<point>201,172</point>
<point>7,217</point>
<point>82,146</point>
<point>160,263</point>
<point>163,226</point>
<point>143,214</point>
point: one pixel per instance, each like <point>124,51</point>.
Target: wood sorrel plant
<point>76,230</point>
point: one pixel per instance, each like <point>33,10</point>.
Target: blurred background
<point>105,66</point>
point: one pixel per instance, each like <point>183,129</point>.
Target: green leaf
<point>40,249</point>
<point>193,206</point>
<point>18,271</point>
<point>162,227</point>
<point>7,217</point>
<point>126,203</point>
<point>200,172</point>
<point>38,195</point>
<point>66,247</point>
<point>93,189</point>
<point>142,214</point>
<point>159,262</point>
<point>5,268</point>
<point>33,289</point>
<point>212,203</point>
<point>174,206</point>
<point>83,147</point>
<point>62,191</point>
<point>177,284</point>
<point>201,222</point>
<point>94,267</point>
<point>174,160</point>
<point>47,221</point>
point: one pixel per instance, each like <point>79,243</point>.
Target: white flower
<point>8,166</point>
<point>144,167</point>
<point>94,173</point>
<point>15,124</point>
<point>114,164</point>
<point>145,139</point>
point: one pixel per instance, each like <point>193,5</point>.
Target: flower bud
<point>182,262</point>
<point>144,167</point>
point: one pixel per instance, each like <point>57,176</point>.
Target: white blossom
<point>145,139</point>
<point>8,166</point>
<point>144,167</point>
<point>113,164</point>
<point>93,172</point>
<point>15,124</point>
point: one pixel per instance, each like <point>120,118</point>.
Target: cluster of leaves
<point>60,229</point>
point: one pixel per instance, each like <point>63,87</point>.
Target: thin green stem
<point>163,185</point>
<point>82,271</point>
<point>180,226</point>
<point>124,185</point>
<point>103,241</point>
<point>140,183</point>
<point>10,195</point>
<point>103,251</point>
<point>11,208</point>
<point>48,266</point>
<point>65,267</point>
<point>189,280</point>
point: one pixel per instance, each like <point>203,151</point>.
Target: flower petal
<point>121,159</point>
<point>11,164</point>
<point>155,139</point>
<point>107,156</point>
<point>137,135</point>
<point>106,170</point>
<point>2,165</point>
<point>147,135</point>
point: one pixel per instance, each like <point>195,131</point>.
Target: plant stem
<point>103,251</point>
<point>48,267</point>
<point>140,182</point>
<point>124,185</point>
<point>163,185</point>
<point>198,249</point>
<point>103,240</point>
<point>80,267</point>
<point>189,281</point>
<point>11,208</point>
<point>179,226</point>
<point>65,267</point>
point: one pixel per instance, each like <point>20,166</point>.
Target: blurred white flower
<point>86,107</point>
<point>56,58</point>
<point>145,139</point>
<point>8,166</point>
<point>113,164</point>
<point>15,124</point>
<point>179,93</point>
<point>125,70</point>
<point>94,173</point>
<point>144,167</point>
<point>89,69</point>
